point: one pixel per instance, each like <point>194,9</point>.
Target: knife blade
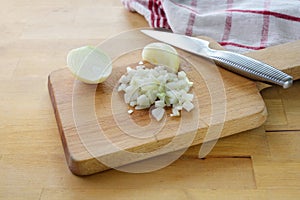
<point>234,62</point>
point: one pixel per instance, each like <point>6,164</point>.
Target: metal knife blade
<point>234,62</point>
<point>190,44</point>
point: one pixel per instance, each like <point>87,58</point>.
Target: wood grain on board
<point>35,37</point>
<point>226,104</point>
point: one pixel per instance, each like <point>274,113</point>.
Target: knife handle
<point>251,68</point>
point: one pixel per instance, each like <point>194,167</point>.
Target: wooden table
<point>35,37</point>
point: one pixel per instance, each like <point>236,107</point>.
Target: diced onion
<point>144,87</point>
<point>158,113</point>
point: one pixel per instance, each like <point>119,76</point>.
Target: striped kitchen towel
<point>238,25</point>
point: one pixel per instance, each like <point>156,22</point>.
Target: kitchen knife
<point>234,62</point>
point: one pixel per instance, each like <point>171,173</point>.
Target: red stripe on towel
<point>240,45</point>
<point>267,12</point>
<point>228,22</point>
<point>191,22</point>
<point>265,27</point>
<point>150,6</point>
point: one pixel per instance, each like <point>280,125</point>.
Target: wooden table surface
<point>35,37</point>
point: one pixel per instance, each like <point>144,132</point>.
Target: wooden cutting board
<point>95,127</point>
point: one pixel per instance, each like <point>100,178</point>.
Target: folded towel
<point>238,25</point>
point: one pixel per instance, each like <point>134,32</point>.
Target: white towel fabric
<point>238,25</point>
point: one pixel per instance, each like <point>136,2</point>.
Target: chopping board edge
<point>88,165</point>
